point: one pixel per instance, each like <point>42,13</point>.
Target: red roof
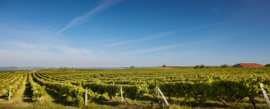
<point>251,65</point>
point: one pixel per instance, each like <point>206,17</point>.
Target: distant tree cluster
<point>132,67</point>
<point>66,69</point>
<point>164,65</point>
<point>225,66</point>
<point>267,65</point>
<point>201,66</point>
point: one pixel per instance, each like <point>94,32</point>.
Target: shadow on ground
<point>59,99</point>
<point>3,97</point>
<point>103,101</point>
<point>27,93</point>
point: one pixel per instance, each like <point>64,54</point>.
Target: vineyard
<point>138,88</point>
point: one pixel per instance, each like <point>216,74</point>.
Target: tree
<point>197,67</point>
<point>225,66</point>
<point>202,66</point>
<point>66,69</point>
<point>164,65</point>
<point>267,65</point>
<point>60,69</point>
<point>132,67</point>
<point>72,69</point>
<point>208,67</point>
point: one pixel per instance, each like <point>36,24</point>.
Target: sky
<point>140,33</point>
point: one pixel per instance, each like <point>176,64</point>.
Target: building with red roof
<point>244,65</point>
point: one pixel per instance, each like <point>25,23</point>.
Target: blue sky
<point>122,33</point>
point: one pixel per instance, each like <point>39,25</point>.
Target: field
<point>183,88</point>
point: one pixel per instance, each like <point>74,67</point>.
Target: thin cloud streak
<point>164,34</point>
<point>24,47</point>
<point>82,19</point>
<point>203,26</point>
<point>200,42</point>
<point>154,49</point>
<point>39,41</point>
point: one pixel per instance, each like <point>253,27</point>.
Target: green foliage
<point>152,88</point>
<point>197,67</point>
<point>164,65</point>
<point>203,90</point>
<point>77,95</point>
<point>60,69</point>
<point>132,67</point>
<point>267,65</point>
<point>37,90</point>
<point>66,69</point>
<point>135,91</point>
<point>202,84</point>
<point>225,66</point>
<point>74,92</point>
<point>11,81</point>
<point>112,90</point>
<point>202,66</point>
<point>13,92</point>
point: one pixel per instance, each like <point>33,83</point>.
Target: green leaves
<point>200,83</point>
<point>75,92</point>
<point>135,91</point>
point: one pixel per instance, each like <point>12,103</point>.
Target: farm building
<point>247,65</point>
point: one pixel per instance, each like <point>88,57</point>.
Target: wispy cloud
<point>14,58</point>
<point>203,26</point>
<point>69,50</point>
<point>111,40</point>
<point>82,19</point>
<point>19,44</point>
<point>199,42</point>
<point>38,41</point>
<point>164,34</point>
<point>154,49</point>
<point>42,49</point>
